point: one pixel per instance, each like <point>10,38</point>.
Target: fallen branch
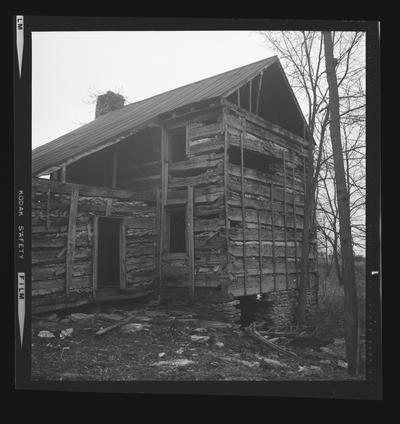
<point>112,327</point>
<point>255,334</point>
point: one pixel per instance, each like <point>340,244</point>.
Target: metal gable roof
<point>114,124</point>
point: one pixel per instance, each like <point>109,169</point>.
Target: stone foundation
<point>208,305</point>
<point>278,308</point>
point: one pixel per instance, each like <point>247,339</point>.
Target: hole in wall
<point>247,308</point>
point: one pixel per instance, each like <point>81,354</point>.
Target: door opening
<point>109,255</point>
<point>177,230</point>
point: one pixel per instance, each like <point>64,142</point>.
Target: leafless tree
<point>302,55</point>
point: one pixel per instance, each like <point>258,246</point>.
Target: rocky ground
<point>155,343</point>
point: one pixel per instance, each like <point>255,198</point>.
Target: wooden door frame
<point>122,251</point>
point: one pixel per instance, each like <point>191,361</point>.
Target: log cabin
<point>192,195</point>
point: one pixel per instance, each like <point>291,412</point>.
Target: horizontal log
<point>264,129</point>
<point>42,185</point>
<point>202,130</point>
<point>207,146</point>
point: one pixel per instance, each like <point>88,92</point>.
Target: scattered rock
<point>46,334</point>
<point>200,330</point>
<point>179,351</point>
<point>78,317</point>
<point>132,328</point>
<point>325,361</point>
<point>161,354</point>
<point>219,344</point>
<point>200,339</point>
<point>174,363</point>
<point>342,364</point>
<point>310,370</point>
<point>66,333</point>
<point>271,363</point>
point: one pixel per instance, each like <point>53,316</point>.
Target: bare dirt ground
<point>160,344</point>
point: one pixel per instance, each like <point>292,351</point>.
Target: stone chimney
<point>108,102</point>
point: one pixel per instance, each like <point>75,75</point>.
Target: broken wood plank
<point>251,330</point>
<point>114,326</point>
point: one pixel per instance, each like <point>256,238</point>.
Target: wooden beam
<point>238,96</point>
<point>163,195</point>
<point>48,209</point>
<point>109,206</point>
<point>226,180</point>
<point>259,92</point>
<point>63,174</point>
<point>73,211</point>
<point>122,252</point>
<point>159,240</point>
<point>259,249</point>
<point>288,135</point>
<point>95,252</point>
<point>273,233</point>
<point>188,140</point>
<point>284,217</point>
<point>190,238</point>
<point>295,225</point>
<point>242,136</point>
<point>114,166</point>
<point>251,96</point>
<point>42,186</point>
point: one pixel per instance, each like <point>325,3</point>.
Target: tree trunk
<point>349,281</point>
<point>305,247</point>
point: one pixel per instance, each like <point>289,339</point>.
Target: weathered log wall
<point>204,171</point>
<point>247,222</point>
<point>265,208</point>
<point>51,229</point>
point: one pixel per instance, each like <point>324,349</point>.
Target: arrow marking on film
<point>20,40</point>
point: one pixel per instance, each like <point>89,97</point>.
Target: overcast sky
<point>69,67</point>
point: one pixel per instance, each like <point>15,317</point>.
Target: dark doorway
<point>177,143</point>
<point>108,263</point>
<point>177,233</point>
